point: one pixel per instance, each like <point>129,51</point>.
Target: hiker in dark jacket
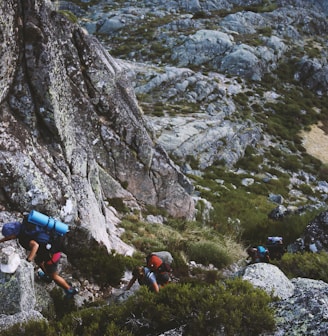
<point>145,277</point>
<point>258,254</point>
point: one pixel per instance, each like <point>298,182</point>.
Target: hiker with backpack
<point>145,277</point>
<point>258,254</point>
<point>276,247</point>
<point>160,263</point>
<point>43,248</point>
<point>156,273</point>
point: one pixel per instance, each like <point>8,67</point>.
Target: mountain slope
<point>73,137</point>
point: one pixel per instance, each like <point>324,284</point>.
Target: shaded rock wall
<point>72,135</point>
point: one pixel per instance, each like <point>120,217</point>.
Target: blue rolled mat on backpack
<point>38,218</point>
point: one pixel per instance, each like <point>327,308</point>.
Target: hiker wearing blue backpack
<point>258,254</point>
<point>42,248</point>
<point>27,235</point>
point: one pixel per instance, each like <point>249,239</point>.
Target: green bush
<point>306,265</point>
<point>61,304</point>
<point>203,309</point>
<point>234,306</point>
<point>32,328</point>
<point>323,172</point>
<point>206,253</point>
<point>118,204</point>
<point>95,263</point>
<point>69,15</point>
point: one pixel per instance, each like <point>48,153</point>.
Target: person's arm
<point>152,282</point>
<point>155,286</point>
<point>131,282</point>
<point>8,238</point>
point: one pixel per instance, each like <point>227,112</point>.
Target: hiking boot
<point>71,292</point>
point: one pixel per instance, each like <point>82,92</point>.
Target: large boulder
<point>270,278</point>
<point>306,311</point>
<point>18,302</point>
<point>302,305</point>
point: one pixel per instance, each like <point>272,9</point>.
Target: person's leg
<point>34,246</point>
<point>61,282</point>
<point>51,271</point>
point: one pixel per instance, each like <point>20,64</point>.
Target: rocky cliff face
<point>72,134</point>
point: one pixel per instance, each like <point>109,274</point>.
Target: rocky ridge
<point>191,61</point>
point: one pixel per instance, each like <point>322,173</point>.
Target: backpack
<point>26,231</point>
<point>263,253</point>
<point>35,232</point>
<point>12,228</point>
<point>274,240</point>
<point>160,261</point>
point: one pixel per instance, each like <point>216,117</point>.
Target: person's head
<point>138,272</point>
<point>251,251</point>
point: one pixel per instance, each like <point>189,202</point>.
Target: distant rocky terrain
<point>191,61</point>
<point>172,88</point>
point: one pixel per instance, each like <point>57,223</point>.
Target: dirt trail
<point>316,143</point>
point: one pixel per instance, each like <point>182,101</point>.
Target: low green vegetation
<point>95,263</point>
<point>206,252</point>
<point>185,240</point>
<point>140,40</point>
<point>69,15</point>
<point>234,306</point>
<point>241,211</point>
<point>305,265</point>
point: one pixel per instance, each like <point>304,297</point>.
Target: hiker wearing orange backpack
<point>160,264</point>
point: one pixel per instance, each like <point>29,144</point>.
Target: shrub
<point>306,265</point>
<point>200,15</point>
<point>209,253</point>
<point>203,309</point>
<point>291,162</point>
<point>151,237</point>
<point>32,328</point>
<point>323,172</point>
<point>69,15</point>
<point>61,304</point>
<point>118,204</point>
<point>266,31</point>
<point>96,263</point>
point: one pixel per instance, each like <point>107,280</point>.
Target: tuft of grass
<point>69,15</point>
<point>206,252</point>
<point>185,240</point>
